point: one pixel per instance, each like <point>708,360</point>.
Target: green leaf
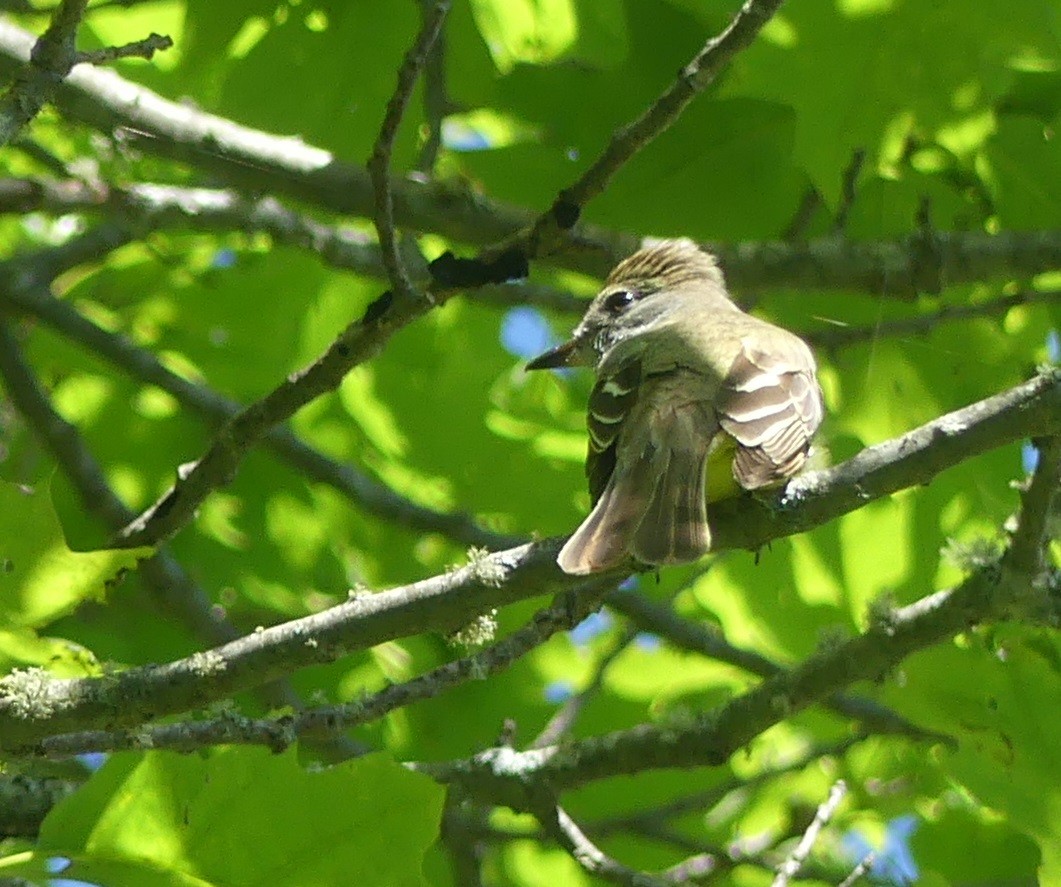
<point>997,695</point>
<point>1024,173</point>
<point>533,31</point>
<point>246,817</point>
<point>857,73</point>
<point>40,577</point>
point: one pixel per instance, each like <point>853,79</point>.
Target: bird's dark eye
<point>619,301</point>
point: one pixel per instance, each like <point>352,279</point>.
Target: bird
<point>694,401</point>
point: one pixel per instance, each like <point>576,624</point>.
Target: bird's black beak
<point>565,355</point>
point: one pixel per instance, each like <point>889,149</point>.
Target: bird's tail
<point>604,539</point>
<point>654,505</point>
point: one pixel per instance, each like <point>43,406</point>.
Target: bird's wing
<point>610,401</point>
<point>770,403</point>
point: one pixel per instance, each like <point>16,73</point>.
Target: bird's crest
<point>666,263</point>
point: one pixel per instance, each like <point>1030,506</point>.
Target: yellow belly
<point>721,484</point>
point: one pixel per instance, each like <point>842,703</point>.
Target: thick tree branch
<point>26,800</point>
<point>324,722</point>
<point>503,776</point>
<point>33,707</point>
<point>1028,410</point>
<point>50,60</point>
<point>994,591</point>
<point>262,162</point>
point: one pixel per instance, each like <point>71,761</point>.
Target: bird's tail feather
<point>674,530</point>
<point>604,539</point>
<point>654,505</point>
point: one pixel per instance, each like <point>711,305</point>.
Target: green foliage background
<point>951,101</point>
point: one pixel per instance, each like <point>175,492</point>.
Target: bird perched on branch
<point>694,401</point>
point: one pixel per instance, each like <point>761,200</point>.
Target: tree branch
<point>262,162</point>
<point>792,864</point>
<point>144,49</point>
<point>141,208</point>
<point>379,163</point>
<point>994,591</point>
<point>436,97</point>
<point>705,801</point>
<point>563,721</point>
<point>1027,550</point>
<point>32,707</point>
<point>324,722</point>
<point>50,60</point>
<point>588,855</point>
<point>26,800</point>
<point>837,337</point>
<point>507,777</point>
<point>1027,410</point>
<point>859,870</point>
<point>548,231</point>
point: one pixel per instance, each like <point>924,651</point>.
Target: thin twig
<point>628,140</point>
<point>144,49</point>
<point>839,336</point>
<point>567,833</point>
<point>562,722</point>
<point>848,190</point>
<point>791,866</point>
<point>23,285</point>
<point>436,96</point>
<point>809,204</point>
<point>705,800</point>
<point>588,855</point>
<point>1027,551</point>
<point>379,163</point>
<point>687,635</point>
<point>859,870</point>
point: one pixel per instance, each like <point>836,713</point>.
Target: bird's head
<point>640,296</point>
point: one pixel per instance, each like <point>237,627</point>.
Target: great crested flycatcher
<point>694,400</point>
